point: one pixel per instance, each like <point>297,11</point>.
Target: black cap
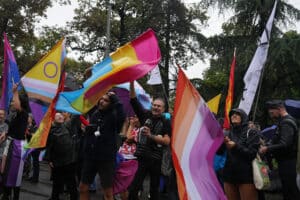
<point>273,104</point>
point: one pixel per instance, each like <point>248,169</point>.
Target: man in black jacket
<point>155,134</point>
<point>100,145</point>
<point>61,157</point>
<point>284,148</point>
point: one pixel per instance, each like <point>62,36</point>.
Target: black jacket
<point>110,122</point>
<point>238,165</point>
<point>284,143</point>
<point>60,147</point>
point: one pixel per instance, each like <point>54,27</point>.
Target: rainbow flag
<point>230,93</point>
<point>41,84</point>
<point>130,62</point>
<point>196,137</point>
<point>10,75</point>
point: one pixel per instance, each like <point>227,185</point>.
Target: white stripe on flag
<point>185,161</point>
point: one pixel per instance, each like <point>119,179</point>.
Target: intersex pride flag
<point>42,85</point>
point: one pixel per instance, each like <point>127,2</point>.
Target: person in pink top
<point>129,146</point>
<point>127,169</point>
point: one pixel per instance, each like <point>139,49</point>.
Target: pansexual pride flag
<point>10,75</point>
<point>130,62</point>
<point>41,84</point>
<point>196,137</point>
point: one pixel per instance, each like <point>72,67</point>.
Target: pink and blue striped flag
<point>10,75</point>
<point>128,63</point>
<point>196,137</point>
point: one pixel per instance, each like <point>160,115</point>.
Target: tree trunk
<point>122,15</point>
<point>165,75</point>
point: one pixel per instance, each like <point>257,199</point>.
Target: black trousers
<point>172,186</point>
<point>146,166</point>
<point>64,175</point>
<point>35,164</point>
<point>7,193</point>
<point>287,173</point>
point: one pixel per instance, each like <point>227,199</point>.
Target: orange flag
<point>230,92</point>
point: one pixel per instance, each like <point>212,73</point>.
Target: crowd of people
<point>244,141</point>
<point>81,147</point>
<point>123,150</point>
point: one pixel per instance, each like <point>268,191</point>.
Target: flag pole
<point>258,93</point>
<point>165,94</point>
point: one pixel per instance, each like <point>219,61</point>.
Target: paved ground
<point>42,189</point>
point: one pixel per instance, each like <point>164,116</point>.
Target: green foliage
<point>242,31</point>
<point>172,21</point>
<point>18,20</point>
<point>177,27</point>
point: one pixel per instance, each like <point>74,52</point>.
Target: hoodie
<point>238,166</point>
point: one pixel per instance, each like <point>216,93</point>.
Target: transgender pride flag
<point>195,139</point>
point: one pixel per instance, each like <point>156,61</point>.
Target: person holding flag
<point>100,145</point>
<point>242,146</point>
<point>12,167</point>
<point>153,136</point>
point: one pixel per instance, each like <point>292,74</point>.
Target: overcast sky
<point>215,21</point>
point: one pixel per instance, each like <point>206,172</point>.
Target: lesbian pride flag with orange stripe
<point>128,63</point>
<point>196,137</point>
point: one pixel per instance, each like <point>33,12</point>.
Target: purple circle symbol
<point>49,64</point>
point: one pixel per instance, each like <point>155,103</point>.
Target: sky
<point>213,27</point>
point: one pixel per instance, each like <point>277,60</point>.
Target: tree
<point>242,31</point>
<point>170,19</point>
<point>18,19</point>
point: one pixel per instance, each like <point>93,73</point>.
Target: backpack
<point>297,139</point>
<point>296,129</point>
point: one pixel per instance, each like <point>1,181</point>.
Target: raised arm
<point>132,90</point>
<point>16,98</point>
<point>137,107</point>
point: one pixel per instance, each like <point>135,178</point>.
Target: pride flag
<point>230,93</point>
<point>130,62</point>
<point>255,69</point>
<point>13,163</point>
<point>122,91</point>
<point>213,104</point>
<point>41,84</point>
<point>10,75</point>
<point>196,137</point>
